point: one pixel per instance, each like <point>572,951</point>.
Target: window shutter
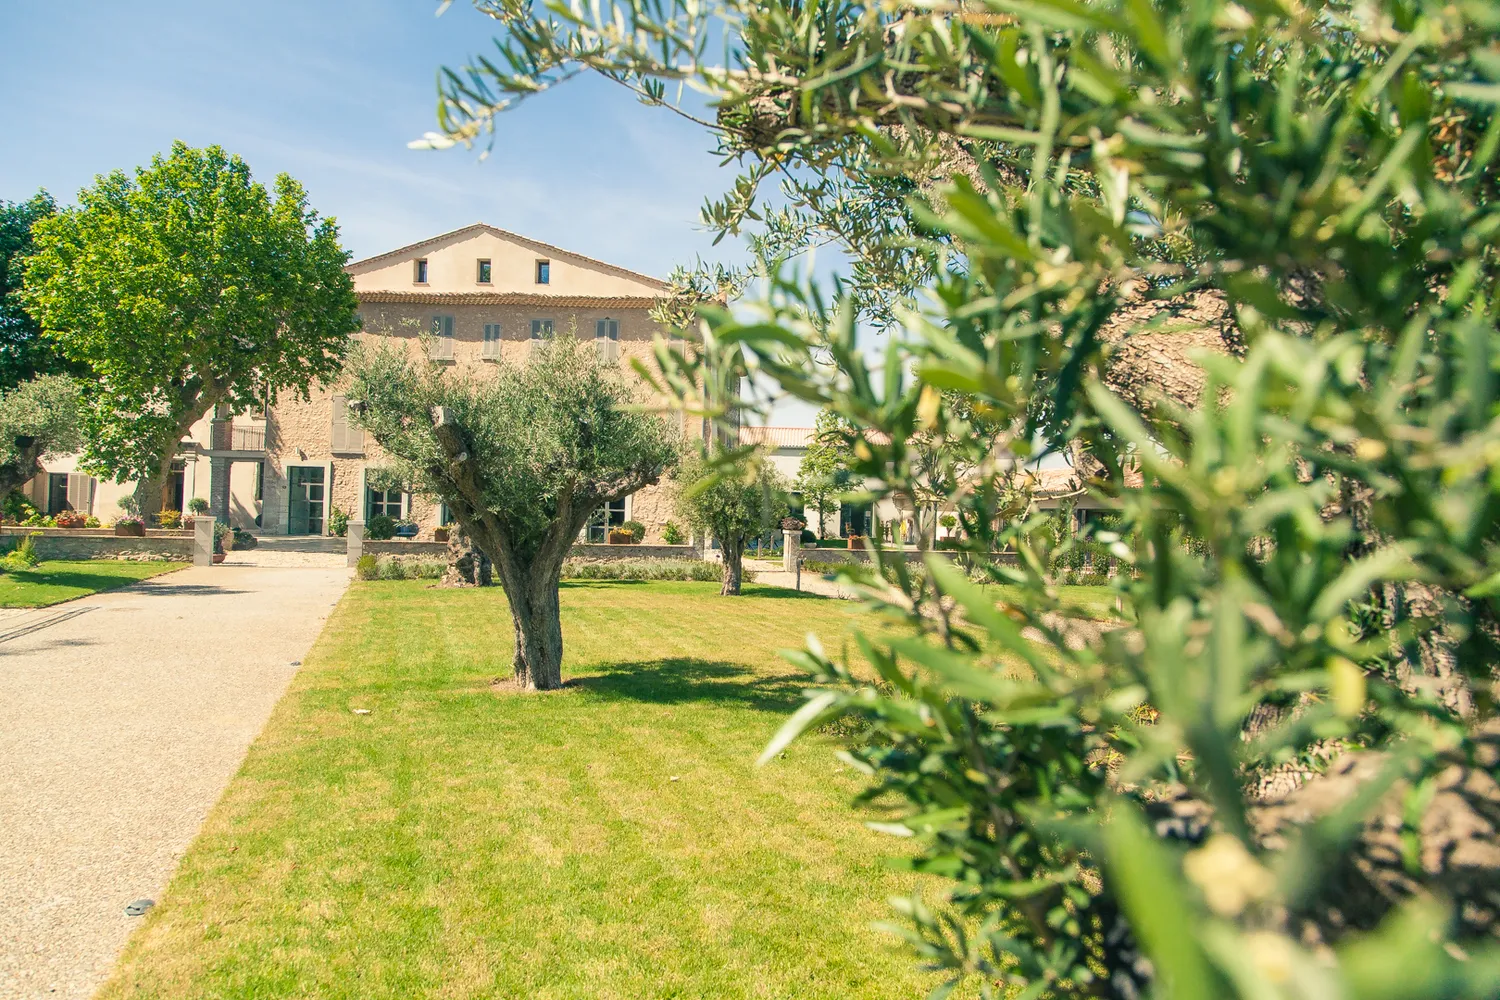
<point>81,492</point>
<point>339,432</point>
<point>491,347</point>
<point>600,329</point>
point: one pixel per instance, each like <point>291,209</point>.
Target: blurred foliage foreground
<point>1275,777</point>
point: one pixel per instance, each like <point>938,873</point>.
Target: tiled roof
<point>792,437</point>
<point>777,437</point>
<point>511,299</point>
<point>400,252</point>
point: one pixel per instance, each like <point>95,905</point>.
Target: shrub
<point>338,522</point>
<point>394,568</point>
<point>169,519</point>
<point>91,522</point>
<point>833,543</point>
<point>643,569</point>
<point>809,537</point>
<point>16,508</point>
<point>197,505</point>
<point>637,530</point>
<point>22,557</point>
<point>380,528</point>
<point>672,535</point>
<point>366,568</point>
<point>39,520</point>
<point>244,540</point>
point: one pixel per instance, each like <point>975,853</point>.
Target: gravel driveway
<point>121,722</point>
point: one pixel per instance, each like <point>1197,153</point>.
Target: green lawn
<point>612,840</point>
<point>55,581</point>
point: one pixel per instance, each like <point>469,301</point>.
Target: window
<point>543,272</point>
<point>541,329</point>
<point>383,502</point>
<point>611,515</point>
<point>57,493</point>
<point>442,338</point>
<point>445,517</point>
<point>419,274</point>
<point>346,437</point>
<point>484,271</point>
<point>491,347</point>
<point>607,329</point>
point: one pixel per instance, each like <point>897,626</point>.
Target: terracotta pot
<point>218,557</point>
<point>130,531</point>
<point>439,534</point>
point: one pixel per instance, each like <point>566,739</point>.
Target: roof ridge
<point>506,233</point>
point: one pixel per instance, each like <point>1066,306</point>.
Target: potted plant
<point>169,519</point>
<point>619,536</point>
<point>440,534</point>
<point>197,506</point>
<point>71,519</point>
<point>406,529</point>
<point>221,540</point>
<point>130,526</point>
<point>856,541</point>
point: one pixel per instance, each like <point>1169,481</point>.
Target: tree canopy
<point>24,352</point>
<point>1234,788</point>
<point>184,287</point>
<point>522,459</point>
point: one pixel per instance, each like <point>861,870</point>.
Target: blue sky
<point>331,92</point>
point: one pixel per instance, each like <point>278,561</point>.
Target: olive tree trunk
<point>733,551</point>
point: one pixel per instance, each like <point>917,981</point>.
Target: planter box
<point>130,531</point>
<point>439,534</point>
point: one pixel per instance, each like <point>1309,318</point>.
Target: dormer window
<point>543,272</point>
<point>419,271</point>
<point>484,272</point>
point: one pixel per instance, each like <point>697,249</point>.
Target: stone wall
<point>810,554</point>
<point>587,553</point>
<point>101,543</point>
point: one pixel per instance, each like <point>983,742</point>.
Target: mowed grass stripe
<point>466,841</point>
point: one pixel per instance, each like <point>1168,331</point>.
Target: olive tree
<point>182,288</point>
<point>731,500</point>
<point>1273,774</point>
<point>37,418</point>
<point>522,458</point>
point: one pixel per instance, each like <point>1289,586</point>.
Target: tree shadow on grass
<point>680,680</point>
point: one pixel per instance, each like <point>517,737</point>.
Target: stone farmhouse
<point>483,295</point>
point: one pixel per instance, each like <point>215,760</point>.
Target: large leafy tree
<point>24,352</point>
<point>187,286</point>
<point>523,459</point>
<point>1274,776</point>
<point>731,499</point>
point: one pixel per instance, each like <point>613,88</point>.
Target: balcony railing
<point>227,437</point>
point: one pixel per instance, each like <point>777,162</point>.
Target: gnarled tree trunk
<point>537,616</point>
<point>733,551</point>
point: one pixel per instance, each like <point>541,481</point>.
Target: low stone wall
<point>587,553</point>
<point>810,554</point>
<point>101,543</point>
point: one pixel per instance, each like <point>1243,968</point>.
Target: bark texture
<point>733,551</point>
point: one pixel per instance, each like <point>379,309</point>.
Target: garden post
<point>354,542</point>
<point>203,541</point>
<point>791,544</point>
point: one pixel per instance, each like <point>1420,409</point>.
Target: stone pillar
<point>354,541</point>
<point>218,488</point>
<point>203,541</point>
<point>791,550</point>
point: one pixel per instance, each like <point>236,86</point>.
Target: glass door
<point>305,499</point>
